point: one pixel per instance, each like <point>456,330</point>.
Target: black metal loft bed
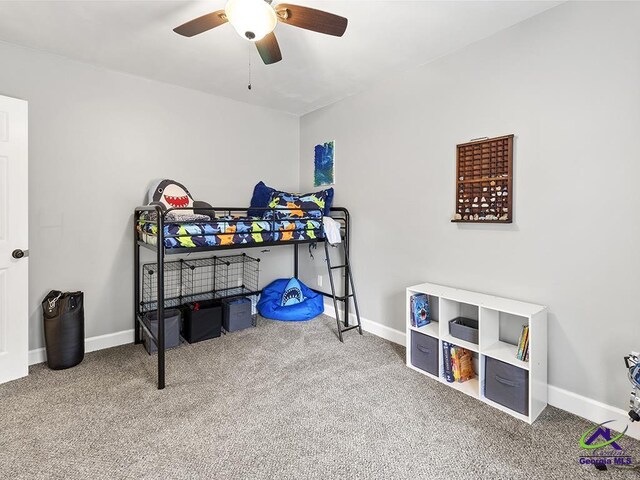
<point>171,244</point>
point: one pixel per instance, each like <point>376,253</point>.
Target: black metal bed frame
<point>340,214</point>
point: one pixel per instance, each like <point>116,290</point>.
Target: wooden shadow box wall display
<point>484,181</point>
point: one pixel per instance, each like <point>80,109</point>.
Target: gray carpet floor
<point>284,400</point>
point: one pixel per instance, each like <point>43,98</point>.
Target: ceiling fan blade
<point>311,19</point>
<point>202,24</point>
<point>269,49</point>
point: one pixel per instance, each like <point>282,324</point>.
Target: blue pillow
<point>260,199</point>
<point>328,202</point>
<point>262,196</point>
<point>292,294</point>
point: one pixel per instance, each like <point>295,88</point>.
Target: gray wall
<point>97,139</point>
<point>566,83</point>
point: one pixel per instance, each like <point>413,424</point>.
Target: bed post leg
<point>295,260</point>
<point>136,281</point>
<point>160,298</point>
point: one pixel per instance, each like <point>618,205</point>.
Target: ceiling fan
<point>255,21</point>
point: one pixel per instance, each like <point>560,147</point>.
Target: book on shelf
<point>523,344</point>
<point>411,316</point>
<point>520,339</point>
<point>457,362</point>
<point>465,361</point>
<point>419,310</point>
<point>446,362</point>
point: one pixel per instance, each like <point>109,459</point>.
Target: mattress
<point>225,231</point>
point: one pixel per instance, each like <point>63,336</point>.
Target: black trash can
<point>63,315</point>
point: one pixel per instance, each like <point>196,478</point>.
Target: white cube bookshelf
<point>500,321</point>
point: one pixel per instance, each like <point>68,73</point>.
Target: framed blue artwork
<point>324,164</point>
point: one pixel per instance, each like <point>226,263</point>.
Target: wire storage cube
<point>238,276</point>
<point>172,286</point>
<point>195,280</point>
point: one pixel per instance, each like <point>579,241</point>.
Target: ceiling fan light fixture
<point>252,19</point>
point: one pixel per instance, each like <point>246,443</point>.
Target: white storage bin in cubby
<point>500,322</point>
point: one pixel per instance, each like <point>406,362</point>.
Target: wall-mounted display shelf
<point>517,387</point>
<point>484,181</point>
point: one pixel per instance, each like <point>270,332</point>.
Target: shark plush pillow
<point>292,294</point>
<point>171,194</point>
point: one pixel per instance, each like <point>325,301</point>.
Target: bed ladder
<point>348,285</point>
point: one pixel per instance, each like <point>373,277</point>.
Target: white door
<point>14,311</point>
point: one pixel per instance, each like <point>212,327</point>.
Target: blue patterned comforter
<point>230,231</point>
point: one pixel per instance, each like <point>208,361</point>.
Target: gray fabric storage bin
<point>464,329</point>
<point>507,385</point>
<point>236,314</point>
<point>424,352</point>
<point>171,329</point>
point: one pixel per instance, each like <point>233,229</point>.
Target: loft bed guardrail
<point>282,229</point>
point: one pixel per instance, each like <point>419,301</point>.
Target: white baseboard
<point>592,410</point>
<point>91,344</point>
<point>388,333</point>
<point>579,405</point>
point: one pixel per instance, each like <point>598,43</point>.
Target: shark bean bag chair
<point>169,194</point>
<point>290,300</point>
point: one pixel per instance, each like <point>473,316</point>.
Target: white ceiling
<point>136,37</point>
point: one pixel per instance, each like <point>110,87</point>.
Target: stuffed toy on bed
<point>169,194</point>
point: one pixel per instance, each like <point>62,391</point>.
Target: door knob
<point>18,254</point>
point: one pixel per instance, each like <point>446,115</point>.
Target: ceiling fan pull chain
<point>249,86</point>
